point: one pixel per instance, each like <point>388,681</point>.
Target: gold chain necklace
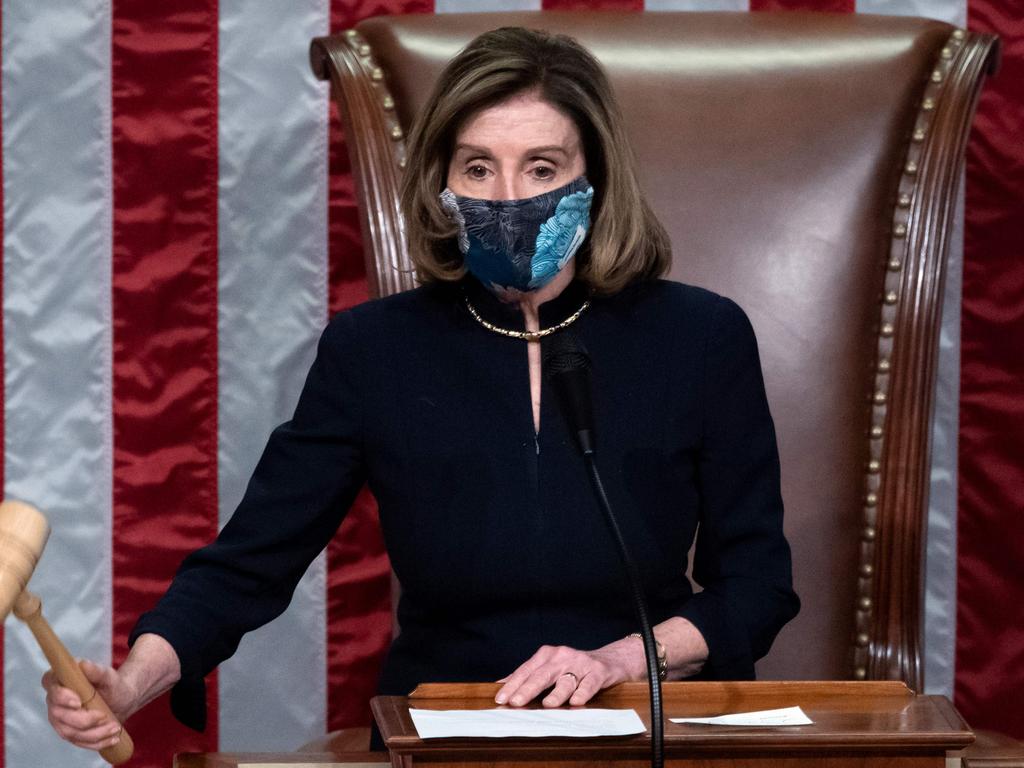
<point>526,335</point>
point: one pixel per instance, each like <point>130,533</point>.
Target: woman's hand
<point>151,668</point>
<point>88,728</point>
<point>576,675</point>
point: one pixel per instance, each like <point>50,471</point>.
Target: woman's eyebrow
<point>473,149</point>
<point>547,149</point>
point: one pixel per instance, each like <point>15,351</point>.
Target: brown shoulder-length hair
<point>626,242</point>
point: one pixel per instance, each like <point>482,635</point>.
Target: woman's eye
<point>544,172</point>
<point>476,172</point>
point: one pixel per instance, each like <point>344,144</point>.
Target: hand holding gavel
<point>23,534</point>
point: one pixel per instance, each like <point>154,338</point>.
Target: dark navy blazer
<point>491,528</point>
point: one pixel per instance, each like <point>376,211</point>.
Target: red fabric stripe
<point>358,571</point>
<point>592,5</point>
<point>164,72</point>
<point>834,6</point>
<point>990,562</point>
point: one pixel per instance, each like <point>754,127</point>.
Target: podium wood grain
<point>862,724</point>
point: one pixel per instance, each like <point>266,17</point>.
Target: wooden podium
<point>861,724</point>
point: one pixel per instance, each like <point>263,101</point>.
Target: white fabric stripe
<point>939,642</point>
<point>940,553</point>
<point>273,304</point>
<point>697,5</point>
<point>57,343</point>
<point>477,6</point>
<point>951,11</point>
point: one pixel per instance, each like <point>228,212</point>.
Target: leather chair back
<point>806,166</point>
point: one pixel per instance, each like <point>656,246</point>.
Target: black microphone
<point>567,367</point>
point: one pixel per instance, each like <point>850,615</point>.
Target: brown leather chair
<point>806,166</point>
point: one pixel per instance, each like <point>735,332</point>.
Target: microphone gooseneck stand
<point>567,367</point>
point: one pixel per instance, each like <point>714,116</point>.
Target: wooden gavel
<point>23,535</point>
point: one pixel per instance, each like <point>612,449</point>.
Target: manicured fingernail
<point>501,698</point>
<point>517,701</point>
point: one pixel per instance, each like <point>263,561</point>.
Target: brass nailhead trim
<point>364,50</point>
<point>887,329</point>
<point>396,132</point>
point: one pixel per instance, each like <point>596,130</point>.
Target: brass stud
<point>919,135</point>
<point>863,639</point>
<point>888,329</point>
<point>900,230</point>
<point>880,398</point>
<point>860,673</point>
<point>904,201</point>
<point>911,168</point>
<point>936,76</point>
<point>874,467</point>
<point>958,34</point>
<point>388,103</point>
<point>871,499</point>
<point>891,297</point>
<point>867,569</point>
<point>377,74</point>
<point>364,50</point>
<point>876,434</point>
<point>946,53</point>
<point>884,365</point>
<point>895,265</point>
<point>401,162</point>
<point>396,132</point>
<point>928,104</point>
<point>868,535</point>
<point>865,603</point>
<point>350,33</point>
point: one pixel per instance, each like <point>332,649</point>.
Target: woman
<point>524,218</point>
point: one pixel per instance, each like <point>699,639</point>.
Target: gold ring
<point>574,678</point>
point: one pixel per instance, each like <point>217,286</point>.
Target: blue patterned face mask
<point>521,244</point>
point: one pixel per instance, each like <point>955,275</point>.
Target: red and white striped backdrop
<point>177,226</point>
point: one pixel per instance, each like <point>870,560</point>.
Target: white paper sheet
<point>435,724</point>
<point>766,717</point>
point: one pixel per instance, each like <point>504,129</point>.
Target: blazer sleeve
<point>742,560</point>
<point>309,473</point>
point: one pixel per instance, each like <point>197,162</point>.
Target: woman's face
<point>519,148</point>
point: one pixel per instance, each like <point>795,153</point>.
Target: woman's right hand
<point>151,668</point>
<point>83,727</point>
